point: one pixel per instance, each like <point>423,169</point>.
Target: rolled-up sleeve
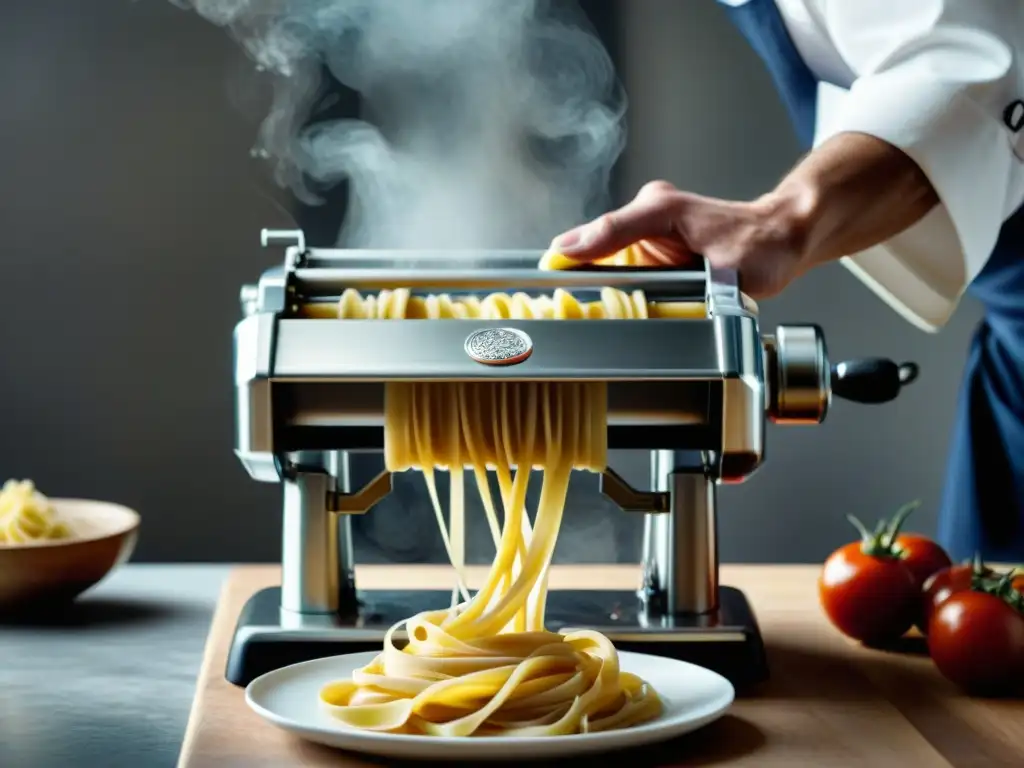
<point>938,80</point>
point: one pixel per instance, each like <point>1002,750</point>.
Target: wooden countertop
<point>829,702</point>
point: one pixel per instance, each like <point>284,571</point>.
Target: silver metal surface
<point>680,558</point>
<point>454,262</point>
<point>800,375</point>
<point>328,404</point>
<point>723,293</point>
<point>345,558</point>
<point>318,272</point>
<point>272,292</point>
<point>328,272</point>
<point>283,237</point>
<point>738,346</point>
<point>254,413</point>
<point>249,297</point>
<point>318,562</point>
<point>498,346</point>
<point>332,281</point>
<point>605,350</point>
<point>309,545</point>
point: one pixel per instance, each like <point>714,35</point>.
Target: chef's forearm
<point>849,194</point>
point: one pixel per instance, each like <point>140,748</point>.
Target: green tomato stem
<point>979,565</point>
<point>864,535</point>
<point>1000,586</point>
<point>873,543</point>
<point>898,519</point>
<point>981,574</point>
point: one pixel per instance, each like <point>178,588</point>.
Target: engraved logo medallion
<point>499,346</point>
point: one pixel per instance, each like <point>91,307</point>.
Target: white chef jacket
<point>942,80</point>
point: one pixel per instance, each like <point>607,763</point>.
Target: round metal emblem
<point>499,346</point>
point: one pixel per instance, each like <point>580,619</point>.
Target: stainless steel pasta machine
<point>694,392</point>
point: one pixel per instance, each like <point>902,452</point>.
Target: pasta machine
<point>695,390</point>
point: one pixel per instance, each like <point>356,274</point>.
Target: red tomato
<point>976,640</point>
<point>867,595</point>
<point>942,584</point>
<point>870,590</point>
<point>921,555</point>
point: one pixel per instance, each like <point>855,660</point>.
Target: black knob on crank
<point>871,379</point>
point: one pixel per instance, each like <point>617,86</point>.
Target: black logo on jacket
<point>1013,115</point>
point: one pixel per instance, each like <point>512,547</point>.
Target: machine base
<point>727,641</point>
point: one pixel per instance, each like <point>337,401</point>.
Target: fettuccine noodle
<point>487,666</point>
<point>631,256</point>
<point>26,515</point>
<point>402,305</point>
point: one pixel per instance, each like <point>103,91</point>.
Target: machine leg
<point>309,556</point>
<point>680,555</point>
<point>348,604</point>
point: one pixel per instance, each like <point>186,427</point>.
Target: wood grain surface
<point>829,702</point>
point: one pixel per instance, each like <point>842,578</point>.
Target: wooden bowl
<point>40,575</point>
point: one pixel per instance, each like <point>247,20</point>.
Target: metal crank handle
<point>871,380</point>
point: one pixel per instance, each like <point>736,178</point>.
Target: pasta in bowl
<point>52,550</point>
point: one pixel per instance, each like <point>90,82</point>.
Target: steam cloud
<point>490,123</point>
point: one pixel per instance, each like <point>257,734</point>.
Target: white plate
<point>289,698</point>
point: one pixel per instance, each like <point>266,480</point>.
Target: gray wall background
<point>130,210</point>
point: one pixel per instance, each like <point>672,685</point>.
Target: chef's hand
<point>664,226</point>
<point>853,192</point>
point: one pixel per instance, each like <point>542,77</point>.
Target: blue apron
<point>982,506</point>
